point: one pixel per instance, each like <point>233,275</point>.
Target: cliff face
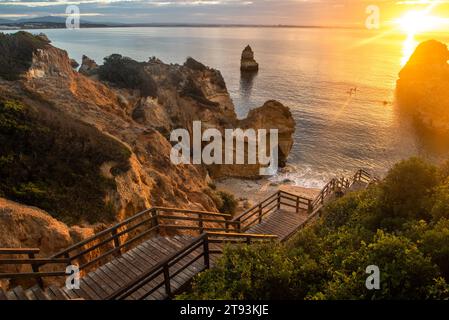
<point>423,86</point>
<point>113,134</point>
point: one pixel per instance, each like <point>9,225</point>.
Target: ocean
<point>311,70</point>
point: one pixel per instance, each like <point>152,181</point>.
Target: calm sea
<point>309,70</point>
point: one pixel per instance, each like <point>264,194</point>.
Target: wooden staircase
<point>156,253</point>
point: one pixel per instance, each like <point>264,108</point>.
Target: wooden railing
<point>256,214</point>
<point>162,275</point>
<point>340,185</point>
<point>33,262</point>
<point>119,238</point>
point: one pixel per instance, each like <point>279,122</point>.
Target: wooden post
<point>167,280</point>
<point>200,223</point>
<point>297,204</point>
<point>260,213</point>
<point>279,200</point>
<point>154,215</point>
<point>206,252</point>
<point>309,206</point>
<point>116,239</point>
<point>35,268</point>
<point>239,225</point>
<point>67,256</point>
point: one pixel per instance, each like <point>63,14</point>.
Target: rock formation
<point>272,115</point>
<point>88,66</point>
<point>423,87</point>
<point>23,226</point>
<point>248,63</point>
<point>130,128</point>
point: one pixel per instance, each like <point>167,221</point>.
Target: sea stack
<point>248,63</point>
<point>422,89</point>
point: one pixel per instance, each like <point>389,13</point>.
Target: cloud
<point>267,12</point>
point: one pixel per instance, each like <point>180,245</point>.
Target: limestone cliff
<point>423,86</point>
<point>106,133</point>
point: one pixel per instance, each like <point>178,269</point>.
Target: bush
<point>128,73</point>
<point>16,53</point>
<point>51,161</point>
<point>407,189</point>
<point>388,225</point>
<point>229,203</point>
<point>193,90</point>
<point>194,65</point>
<point>434,243</point>
<point>224,201</point>
<point>440,202</point>
<point>246,273</point>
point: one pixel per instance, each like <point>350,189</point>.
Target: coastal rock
<point>23,226</point>
<point>272,115</point>
<point>423,87</point>
<point>30,227</point>
<point>74,63</point>
<point>118,116</point>
<point>248,63</point>
<point>88,66</point>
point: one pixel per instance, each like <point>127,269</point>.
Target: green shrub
<point>246,273</point>
<point>434,242</point>
<point>407,189</point>
<point>440,202</point>
<point>128,73</point>
<point>193,90</point>
<point>52,161</point>
<point>224,201</point>
<point>229,203</point>
<point>194,65</point>
<point>400,225</point>
<point>16,53</point>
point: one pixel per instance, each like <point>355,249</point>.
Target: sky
<point>340,13</point>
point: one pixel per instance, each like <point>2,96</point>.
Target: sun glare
<point>414,22</point>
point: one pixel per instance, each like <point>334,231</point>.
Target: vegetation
<point>194,65</point>
<point>225,201</point>
<point>400,225</point>
<point>127,73</point>
<point>194,91</point>
<point>16,53</point>
<point>53,162</point>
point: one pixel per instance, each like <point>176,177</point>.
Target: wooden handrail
<point>242,235</point>
<point>163,267</point>
<point>19,250</point>
<point>153,220</point>
<point>32,261</point>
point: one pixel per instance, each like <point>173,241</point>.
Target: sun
<point>414,22</point>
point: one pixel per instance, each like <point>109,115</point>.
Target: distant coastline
<point>59,23</point>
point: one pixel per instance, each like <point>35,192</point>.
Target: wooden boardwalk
<point>281,223</point>
<point>156,253</point>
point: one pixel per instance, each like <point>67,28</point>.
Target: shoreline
<point>250,192</point>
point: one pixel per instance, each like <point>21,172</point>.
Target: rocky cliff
<point>93,147</point>
<point>423,86</point>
